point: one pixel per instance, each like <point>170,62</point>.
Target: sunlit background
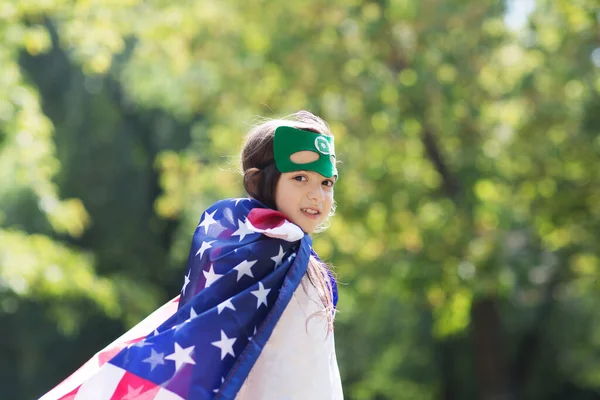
<point>466,234</point>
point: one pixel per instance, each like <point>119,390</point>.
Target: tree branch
<point>449,182</point>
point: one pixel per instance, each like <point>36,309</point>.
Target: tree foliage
<point>468,204</point>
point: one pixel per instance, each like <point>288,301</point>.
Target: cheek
<point>279,199</point>
<point>277,196</point>
<point>328,202</point>
<point>282,195</point>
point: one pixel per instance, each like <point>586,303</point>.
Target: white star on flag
<point>155,359</point>
<point>132,393</point>
<point>238,200</point>
<point>261,295</point>
<point>205,246</point>
<point>208,220</point>
<point>279,257</point>
<point>254,334</point>
<point>186,280</point>
<point>181,356</point>
<point>225,344</point>
<point>210,276</point>
<point>217,389</point>
<point>226,304</point>
<point>244,268</point>
<point>192,313</point>
<point>291,256</point>
<point>242,230</point>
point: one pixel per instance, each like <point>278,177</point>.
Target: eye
<point>300,178</point>
<point>328,182</point>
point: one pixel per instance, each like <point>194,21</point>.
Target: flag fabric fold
<point>244,265</point>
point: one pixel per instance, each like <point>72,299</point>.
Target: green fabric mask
<point>290,140</point>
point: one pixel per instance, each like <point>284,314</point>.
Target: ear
<point>250,180</point>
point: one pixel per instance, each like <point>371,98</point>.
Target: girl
<point>254,319</point>
<point>296,362</point>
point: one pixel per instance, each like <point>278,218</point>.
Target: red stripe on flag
<point>71,395</point>
<point>132,386</point>
<point>264,218</point>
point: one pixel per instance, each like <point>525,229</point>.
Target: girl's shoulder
<point>236,203</point>
<point>243,201</point>
<point>247,215</point>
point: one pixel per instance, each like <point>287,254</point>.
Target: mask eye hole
<point>304,157</point>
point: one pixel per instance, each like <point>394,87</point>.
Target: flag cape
<point>244,265</point>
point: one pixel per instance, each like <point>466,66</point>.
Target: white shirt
<point>298,361</point>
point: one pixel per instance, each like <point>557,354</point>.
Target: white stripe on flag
<point>102,385</point>
<point>164,394</point>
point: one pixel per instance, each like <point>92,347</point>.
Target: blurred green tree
<point>469,198</point>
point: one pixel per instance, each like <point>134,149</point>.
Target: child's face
<point>305,197</point>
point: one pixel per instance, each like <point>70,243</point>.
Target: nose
<point>316,193</point>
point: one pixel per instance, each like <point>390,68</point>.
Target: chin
<point>306,229</point>
<point>307,226</point>
<point>309,229</point>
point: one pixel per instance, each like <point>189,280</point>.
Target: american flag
<point>245,263</point>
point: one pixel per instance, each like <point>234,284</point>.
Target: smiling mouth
<point>311,213</point>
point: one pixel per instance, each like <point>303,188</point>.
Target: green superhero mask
<point>290,140</point>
